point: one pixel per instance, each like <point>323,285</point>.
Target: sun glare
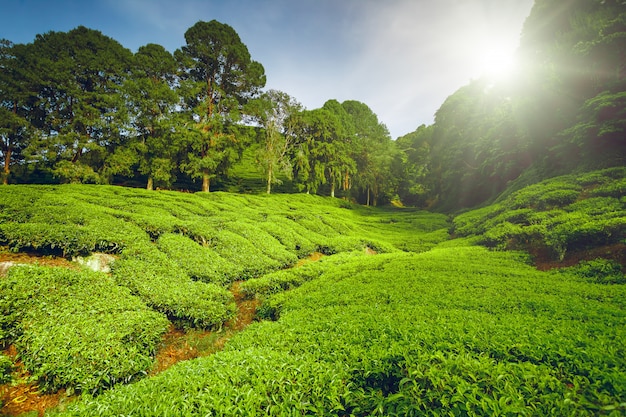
<point>497,63</point>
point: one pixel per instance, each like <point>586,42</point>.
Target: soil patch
<point>315,256</point>
<point>32,258</point>
<point>21,396</point>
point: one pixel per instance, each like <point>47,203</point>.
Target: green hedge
<point>199,262</point>
<point>77,329</point>
<point>456,331</point>
<point>563,214</point>
<point>164,286</point>
<point>6,367</point>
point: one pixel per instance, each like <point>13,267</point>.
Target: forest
<point>313,265</point>
<point>78,107</point>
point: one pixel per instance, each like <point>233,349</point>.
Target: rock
<point>100,262</point>
<point>4,267</point>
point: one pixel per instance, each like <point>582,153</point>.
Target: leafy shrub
<point>199,262</point>
<point>6,367</point>
<point>553,214</point>
<point>598,206</point>
<point>601,271</point>
<point>455,331</point>
<point>615,189</point>
<point>63,240</point>
<point>252,382</point>
<point>78,329</point>
<point>283,280</point>
<point>161,284</point>
<point>499,235</point>
<point>264,242</point>
<point>557,198</point>
<point>554,192</point>
<point>240,251</point>
<point>283,230</point>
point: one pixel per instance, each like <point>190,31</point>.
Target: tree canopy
<point>79,107</point>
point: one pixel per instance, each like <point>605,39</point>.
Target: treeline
<point>79,107</point>
<point>562,112</point>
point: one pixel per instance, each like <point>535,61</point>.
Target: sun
<point>496,62</point>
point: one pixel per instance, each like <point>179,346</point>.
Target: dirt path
<point>180,345</point>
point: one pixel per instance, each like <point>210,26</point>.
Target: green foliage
<point>264,242</point>
<point>199,262</point>
<point>601,271</point>
<point>163,285</point>
<point>6,367</point>
<point>77,330</point>
<point>279,281</point>
<point>456,331</point>
<point>563,214</point>
<point>287,233</point>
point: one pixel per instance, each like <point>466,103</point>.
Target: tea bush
<point>77,329</point>
<point>264,242</point>
<point>175,253</point>
<point>284,230</point>
<point>6,367</point>
<point>164,286</point>
<point>563,214</point>
<point>454,331</point>
<point>278,281</point>
<point>601,271</point>
<point>199,262</point>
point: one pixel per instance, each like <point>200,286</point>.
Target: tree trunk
<point>368,196</point>
<point>332,190</point>
<point>205,182</point>
<point>150,185</point>
<point>269,178</point>
<point>7,167</point>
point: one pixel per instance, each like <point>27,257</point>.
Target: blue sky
<point>400,57</point>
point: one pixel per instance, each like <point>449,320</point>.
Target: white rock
<point>100,262</point>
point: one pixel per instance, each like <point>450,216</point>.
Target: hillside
<point>397,318</point>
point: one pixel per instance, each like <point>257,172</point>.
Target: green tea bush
<point>598,206</point>
<point>199,262</point>
<point>64,240</point>
<point>454,331</point>
<point>78,329</point>
<point>251,382</point>
<point>558,214</point>
<point>164,286</point>
<point>554,192</point>
<point>6,368</point>
<point>615,189</point>
<point>283,230</point>
<point>601,271</point>
<point>556,198</point>
<point>264,242</point>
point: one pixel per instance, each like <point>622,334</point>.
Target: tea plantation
<point>429,325</point>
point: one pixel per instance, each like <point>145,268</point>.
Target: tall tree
<point>152,99</point>
<point>15,101</point>
<point>79,109</point>
<point>277,113</point>
<point>340,164</point>
<point>218,77</point>
<point>372,150</point>
<point>321,154</point>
